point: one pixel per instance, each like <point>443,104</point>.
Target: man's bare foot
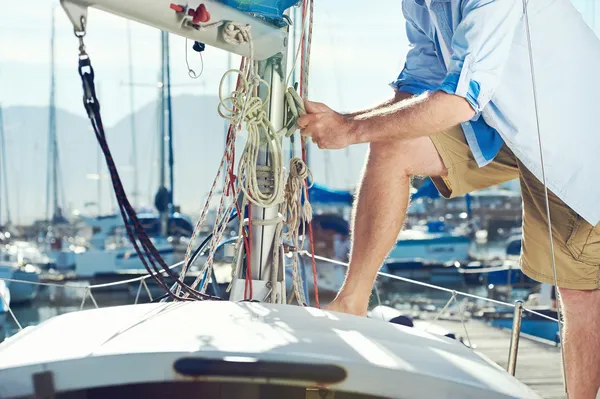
<point>349,305</point>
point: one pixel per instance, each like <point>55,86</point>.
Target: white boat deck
<point>538,364</point>
<point>142,343</point>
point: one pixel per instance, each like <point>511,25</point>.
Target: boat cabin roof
<point>246,343</point>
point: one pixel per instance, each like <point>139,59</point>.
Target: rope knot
<point>298,169</point>
<point>236,33</point>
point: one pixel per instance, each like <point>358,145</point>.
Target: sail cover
<point>270,10</point>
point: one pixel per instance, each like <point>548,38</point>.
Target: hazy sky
<point>356,52</point>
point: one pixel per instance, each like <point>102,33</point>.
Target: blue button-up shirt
<point>479,50</point>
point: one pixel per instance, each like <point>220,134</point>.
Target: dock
<point>538,361</point>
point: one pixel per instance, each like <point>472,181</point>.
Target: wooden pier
<point>538,362</point>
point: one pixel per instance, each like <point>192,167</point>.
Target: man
<point>481,79</point>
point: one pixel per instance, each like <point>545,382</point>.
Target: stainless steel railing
<point>518,306</point>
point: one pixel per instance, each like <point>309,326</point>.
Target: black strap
<point>135,231</point>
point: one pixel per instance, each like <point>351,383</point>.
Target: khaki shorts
<point>576,242</point>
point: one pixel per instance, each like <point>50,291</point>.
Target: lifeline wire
<point>435,287</point>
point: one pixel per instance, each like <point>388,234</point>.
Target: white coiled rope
<point>262,185</point>
<point>296,215</point>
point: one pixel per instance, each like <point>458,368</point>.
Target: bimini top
<point>247,342</point>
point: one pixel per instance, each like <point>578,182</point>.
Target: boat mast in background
<point>169,118</point>
<point>133,159</point>
<point>3,174</point>
<point>225,121</point>
<point>164,196</point>
<point>53,211</point>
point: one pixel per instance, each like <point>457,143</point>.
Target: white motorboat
<point>4,304</point>
<point>20,292</point>
<point>117,258</point>
<point>431,242</point>
<point>250,350</point>
<point>25,252</point>
<point>109,251</point>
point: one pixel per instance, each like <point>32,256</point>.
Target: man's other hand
<point>328,129</point>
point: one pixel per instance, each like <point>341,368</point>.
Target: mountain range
<point>198,136</point>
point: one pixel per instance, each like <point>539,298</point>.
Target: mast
<point>162,132</point>
<point>52,172</point>
<point>4,175</point>
<point>264,239</point>
<point>164,200</point>
<point>133,160</point>
<point>169,113</point>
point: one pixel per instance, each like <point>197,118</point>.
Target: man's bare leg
<point>581,342</point>
<point>379,212</point>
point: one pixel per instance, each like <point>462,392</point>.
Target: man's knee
<point>415,157</point>
<point>396,150</point>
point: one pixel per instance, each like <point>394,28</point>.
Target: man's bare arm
<point>411,117</point>
<point>398,96</point>
<point>424,115</point>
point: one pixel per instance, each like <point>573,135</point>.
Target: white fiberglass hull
<point>95,262</point>
<point>21,292</point>
<point>245,345</point>
<point>4,304</point>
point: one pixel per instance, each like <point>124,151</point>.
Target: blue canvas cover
<point>324,195</point>
<point>270,10</point>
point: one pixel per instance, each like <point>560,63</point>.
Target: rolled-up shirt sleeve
<point>480,49</point>
<point>422,69</point>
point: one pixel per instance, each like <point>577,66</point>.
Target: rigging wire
<point>306,44</point>
<point>546,196</point>
<point>198,252</point>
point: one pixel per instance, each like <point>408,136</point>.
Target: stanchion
<point>514,338</point>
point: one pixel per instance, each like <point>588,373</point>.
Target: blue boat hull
<point>426,272</point>
<point>545,329</point>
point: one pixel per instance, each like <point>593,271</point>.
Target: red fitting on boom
<point>177,7</point>
<point>200,15</point>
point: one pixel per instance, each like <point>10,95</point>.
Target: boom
<point>185,20</point>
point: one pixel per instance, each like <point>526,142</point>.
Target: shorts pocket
<point>584,242</point>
